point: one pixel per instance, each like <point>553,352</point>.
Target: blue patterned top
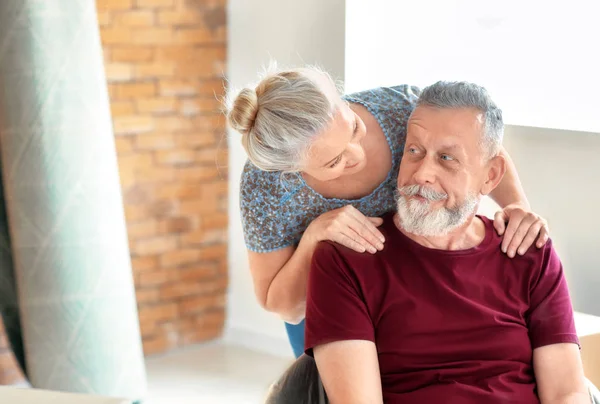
<point>276,209</point>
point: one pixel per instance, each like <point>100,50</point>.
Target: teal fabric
<point>9,306</point>
<point>64,204</point>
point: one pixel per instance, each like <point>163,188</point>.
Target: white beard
<point>417,217</point>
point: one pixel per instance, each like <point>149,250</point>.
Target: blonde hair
<point>279,118</point>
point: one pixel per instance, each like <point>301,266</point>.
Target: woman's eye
<point>446,157</point>
<point>413,150</point>
<point>336,162</point>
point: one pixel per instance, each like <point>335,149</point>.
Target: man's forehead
<point>446,122</point>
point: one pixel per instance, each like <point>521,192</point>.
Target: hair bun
<point>244,110</point>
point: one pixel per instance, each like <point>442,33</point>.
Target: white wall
<point>293,33</point>
<point>560,171</point>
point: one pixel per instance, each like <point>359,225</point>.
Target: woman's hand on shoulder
<point>520,228</point>
<point>349,227</point>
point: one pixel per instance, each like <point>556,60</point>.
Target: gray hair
<point>461,94</point>
<point>279,118</point>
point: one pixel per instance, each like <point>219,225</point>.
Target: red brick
<point>134,213</point>
<point>212,87</point>
<point>116,72</point>
<point>147,296</point>
<point>135,18</point>
<point>195,36</point>
<point>126,178</point>
<point>198,173</point>
<point>213,252</point>
<point>160,105</point>
<point>148,329</point>
<point>158,277</point>
<point>200,272</point>
<point>152,36</point>
<point>179,191</point>
<point>162,208</point>
<point>131,125</point>
<point>131,54</point>
<point>200,303</point>
<point>144,264</point>
<point>155,3</point>
<point>172,124</point>
<point>114,4</point>
<point>115,36</point>
<point>122,108</point>
<point>191,107</point>
<point>132,162</point>
<point>135,90</point>
<point>215,221</point>
<point>142,230</point>
<point>176,225</point>
<point>200,207</point>
<point>156,174</point>
<point>177,87</point>
<point>156,344</point>
<point>155,245</point>
<point>179,257</point>
<point>208,62</point>
<point>175,157</point>
<point>104,18</point>
<point>155,141</point>
<point>177,291</point>
<point>204,237</point>
<point>153,70</point>
<point>123,145</point>
<point>179,18</point>
<point>217,155</point>
<point>200,335</point>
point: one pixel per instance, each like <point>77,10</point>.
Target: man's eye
<point>446,157</point>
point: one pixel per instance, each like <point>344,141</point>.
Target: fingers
<point>349,242</point>
<point>366,228</point>
<point>514,223</point>
<point>500,222</point>
<point>530,237</point>
<point>355,228</point>
<point>544,236</point>
<point>377,221</point>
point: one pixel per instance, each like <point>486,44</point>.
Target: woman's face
<point>337,151</point>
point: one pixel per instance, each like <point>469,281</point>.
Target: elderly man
<point>441,315</point>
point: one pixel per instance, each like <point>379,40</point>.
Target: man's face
<point>443,170</point>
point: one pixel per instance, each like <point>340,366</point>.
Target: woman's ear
<point>495,170</point>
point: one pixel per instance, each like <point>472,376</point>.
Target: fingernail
<point>504,250</point>
<point>380,247</point>
<point>521,251</point>
<point>362,249</point>
<point>372,250</point>
<point>511,254</point>
<point>382,239</point>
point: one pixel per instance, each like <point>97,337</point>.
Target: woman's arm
<point>524,226</point>
<point>280,276</point>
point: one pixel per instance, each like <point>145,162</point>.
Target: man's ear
<point>495,169</point>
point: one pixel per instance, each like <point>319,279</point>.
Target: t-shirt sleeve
<point>335,307</point>
<point>263,224</point>
<point>550,317</point>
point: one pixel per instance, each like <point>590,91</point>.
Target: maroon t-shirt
<point>449,326</point>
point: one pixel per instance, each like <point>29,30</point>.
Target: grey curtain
<point>68,239</point>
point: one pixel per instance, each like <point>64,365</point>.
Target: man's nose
<point>426,172</point>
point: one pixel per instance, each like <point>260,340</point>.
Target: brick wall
<point>164,63</point>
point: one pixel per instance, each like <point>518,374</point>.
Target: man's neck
<point>469,235</point>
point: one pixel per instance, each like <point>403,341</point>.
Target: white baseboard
<point>258,342</point>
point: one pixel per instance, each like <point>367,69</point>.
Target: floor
<point>213,373</point>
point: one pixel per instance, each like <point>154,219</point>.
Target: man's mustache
<point>424,192</point>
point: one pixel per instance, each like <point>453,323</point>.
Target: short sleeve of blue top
<point>276,209</point>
